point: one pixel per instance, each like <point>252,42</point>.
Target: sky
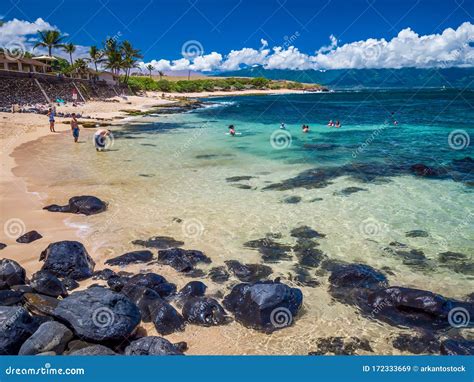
<point>205,35</point>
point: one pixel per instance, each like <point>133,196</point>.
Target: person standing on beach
<point>51,120</point>
<point>75,127</point>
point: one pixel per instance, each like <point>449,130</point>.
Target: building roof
<point>45,57</point>
<point>27,61</point>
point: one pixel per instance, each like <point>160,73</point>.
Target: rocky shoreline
<point>47,315</point>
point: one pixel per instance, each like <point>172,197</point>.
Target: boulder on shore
<point>50,336</point>
<point>266,306</point>
<point>204,311</point>
<point>131,258</point>
<point>85,204</point>
<point>46,283</point>
<point>67,259</point>
<point>29,237</point>
<point>183,260</point>
<point>11,273</point>
<point>17,325</point>
<point>152,345</point>
<point>98,314</point>
<point>166,319</point>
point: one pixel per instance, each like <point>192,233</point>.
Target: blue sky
<point>159,28</point>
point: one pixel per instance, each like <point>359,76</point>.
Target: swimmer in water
<point>330,123</point>
<point>338,124</point>
<point>232,130</point>
<point>305,128</point>
<point>282,126</point>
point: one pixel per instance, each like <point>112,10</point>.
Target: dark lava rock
<point>457,262</point>
<point>166,319</point>
<point>248,272</point>
<point>407,307</point>
<point>219,274</point>
<point>116,283</point>
<point>270,250</point>
<point>40,304</point>
<point>265,306</point>
<point>2,246</point>
<point>93,350</point>
<point>10,297</point>
<point>457,347</point>
<point>98,314</point>
<point>131,258</point>
<point>193,289</point>
<point>17,325</point>
<point>11,273</point>
<point>29,237</point>
<point>349,191</point>
<point>238,178</point>
<point>292,199</point>
<point>308,255</point>
<point>152,345</point>
<point>416,233</point>
<point>304,278</point>
<point>420,169</point>
<point>183,260</point>
<point>305,232</point>
<point>160,242</point>
<point>103,274</point>
<point>341,346</point>
<point>86,205</point>
<point>44,282</point>
<point>414,258</point>
<point>70,284</point>
<point>50,336</point>
<point>425,344</point>
<point>153,281</point>
<point>67,259</point>
<point>142,297</point>
<point>22,288</point>
<point>204,311</point>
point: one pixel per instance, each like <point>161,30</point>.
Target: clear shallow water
<point>166,168</point>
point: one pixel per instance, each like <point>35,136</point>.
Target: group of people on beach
<point>100,136</point>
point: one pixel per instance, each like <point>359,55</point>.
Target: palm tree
<point>130,58</point>
<point>69,48</point>
<point>150,68</point>
<point>161,74</point>
<point>96,56</point>
<point>50,39</point>
<point>113,60</point>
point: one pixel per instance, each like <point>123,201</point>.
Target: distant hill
<point>353,78</point>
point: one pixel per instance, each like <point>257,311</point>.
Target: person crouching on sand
<point>100,139</point>
<point>51,120</point>
<point>75,127</point>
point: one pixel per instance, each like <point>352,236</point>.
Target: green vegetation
<point>141,83</point>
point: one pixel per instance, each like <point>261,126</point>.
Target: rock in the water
<point>292,199</point>
<point>166,319</point>
<point>457,262</point>
<point>183,260</point>
<point>94,350</point>
<point>248,272</point>
<point>204,311</point>
<point>142,297</point>
<point>272,251</point>
<point>2,246</point>
<point>348,191</point>
<point>308,255</point>
<point>160,242</point>
<point>407,307</point>
<point>11,273</point>
<point>46,283</point>
<point>152,345</point>
<point>86,205</point>
<point>153,281</point>
<point>416,233</point>
<point>219,274</point>
<point>50,336</point>
<point>98,314</point>
<point>67,259</point>
<point>425,344</point>
<point>305,232</point>
<point>457,347</point>
<point>16,326</point>
<point>131,258</point>
<point>265,306</point>
<point>341,346</point>
<point>29,237</point>
<point>40,304</point>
